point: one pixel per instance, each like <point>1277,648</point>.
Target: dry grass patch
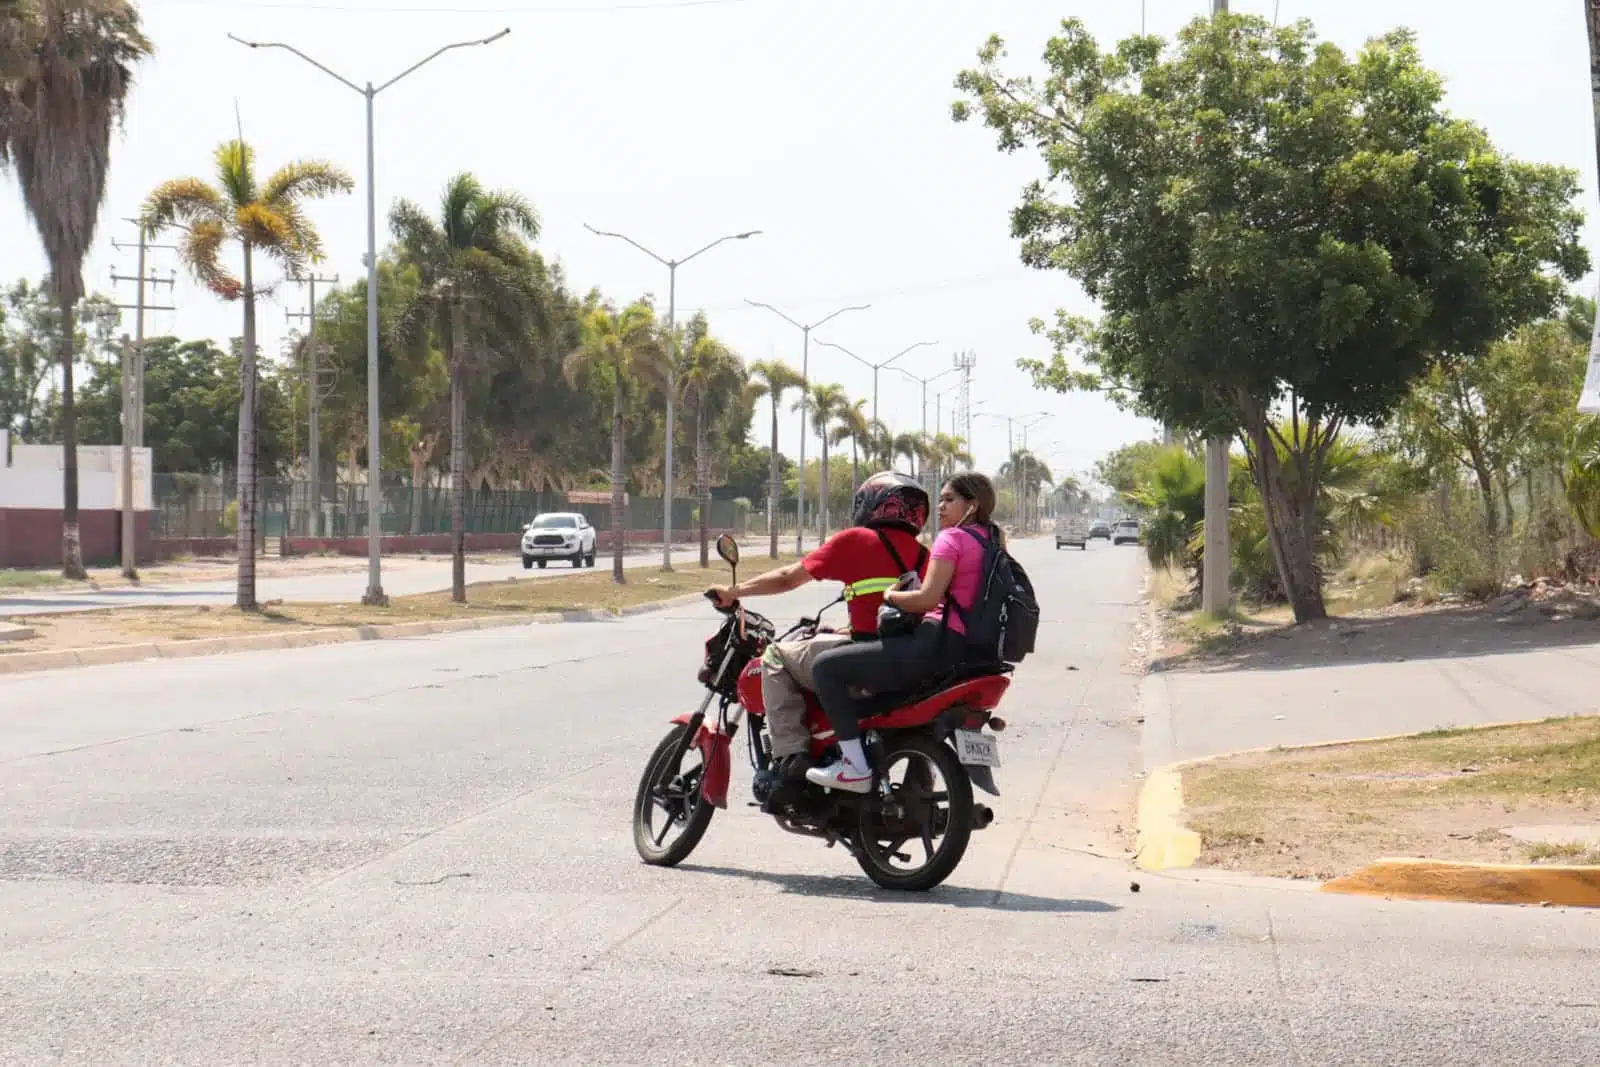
<point>1446,795</point>
<point>592,590</point>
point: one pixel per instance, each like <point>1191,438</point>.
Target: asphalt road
<point>402,576</point>
<point>418,852</point>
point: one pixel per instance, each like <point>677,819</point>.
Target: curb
<point>1166,843</point>
<point>1473,883</point>
<point>104,655</point>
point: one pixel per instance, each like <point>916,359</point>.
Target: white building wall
<point>30,476</point>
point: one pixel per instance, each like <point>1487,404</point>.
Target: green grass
<point>21,579</point>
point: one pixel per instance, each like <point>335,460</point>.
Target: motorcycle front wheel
<point>929,811</point>
<point>669,795</point>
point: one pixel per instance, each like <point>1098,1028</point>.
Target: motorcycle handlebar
<point>711,596</point>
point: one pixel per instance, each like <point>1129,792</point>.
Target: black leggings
<point>898,664</point>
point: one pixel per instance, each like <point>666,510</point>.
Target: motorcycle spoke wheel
<point>669,813</point>
<point>929,811</point>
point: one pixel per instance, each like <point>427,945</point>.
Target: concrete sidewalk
<point>1484,673</point>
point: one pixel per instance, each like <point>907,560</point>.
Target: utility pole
<point>964,362</point>
<point>141,278</point>
<point>133,394</point>
<point>313,394</point>
<point>1215,593</point>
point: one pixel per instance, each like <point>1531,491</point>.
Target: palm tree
<point>855,427</point>
<point>711,376</point>
<point>268,217</point>
<point>907,445</point>
<point>823,406</point>
<point>65,70</point>
<point>881,447</point>
<point>772,378</point>
<point>943,452</point>
<point>620,346</point>
<point>480,290</point>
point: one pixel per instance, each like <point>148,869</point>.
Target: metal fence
<point>197,506</point>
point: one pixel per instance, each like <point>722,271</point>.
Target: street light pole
<point>374,595</point>
<point>672,266</point>
<point>925,382</point>
<point>876,367</point>
<point>805,386</point>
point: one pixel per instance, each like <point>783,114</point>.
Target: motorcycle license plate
<point>977,749</point>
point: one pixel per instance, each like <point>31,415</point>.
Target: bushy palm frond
<point>72,64</point>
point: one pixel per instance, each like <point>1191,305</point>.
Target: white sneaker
<point>841,775</point>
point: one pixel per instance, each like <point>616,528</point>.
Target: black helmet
<point>891,499</point>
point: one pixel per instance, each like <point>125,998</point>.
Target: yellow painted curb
<point>1473,883</point>
<point>1164,841</point>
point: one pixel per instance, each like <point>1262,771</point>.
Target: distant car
<point>1101,529</point>
<point>558,535</point>
<point>1071,531</point>
<point>1125,532</point>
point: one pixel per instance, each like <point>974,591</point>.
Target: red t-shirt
<point>855,554</point>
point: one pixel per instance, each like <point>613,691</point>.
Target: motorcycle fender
<point>716,748</point>
<point>983,778</point>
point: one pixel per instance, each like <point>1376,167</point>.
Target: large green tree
<point>1270,225</point>
<point>259,218</point>
<point>1504,413</point>
<point>66,68</point>
<point>481,291</point>
<point>191,409</point>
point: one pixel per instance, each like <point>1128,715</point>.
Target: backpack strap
<point>922,553</point>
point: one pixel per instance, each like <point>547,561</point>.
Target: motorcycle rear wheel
<point>923,807</point>
<point>669,792</point>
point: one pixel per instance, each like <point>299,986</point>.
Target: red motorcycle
<point>936,732</point>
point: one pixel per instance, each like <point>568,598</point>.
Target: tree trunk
<point>1292,550</point>
<point>773,494</point>
<point>421,453</point>
<point>1505,502</point>
<point>458,453</point>
<point>71,539</point>
<point>618,485</point>
<point>1491,510</point>
<point>855,462</point>
<point>702,476</point>
<point>245,597</point>
<point>822,490</point>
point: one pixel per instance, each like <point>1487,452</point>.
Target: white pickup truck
<point>1074,531</point>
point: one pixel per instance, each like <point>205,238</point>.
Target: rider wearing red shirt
<point>869,557</point>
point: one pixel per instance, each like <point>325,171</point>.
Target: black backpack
<point>1003,622</point>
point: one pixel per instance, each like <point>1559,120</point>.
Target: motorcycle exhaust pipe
<point>982,816</point>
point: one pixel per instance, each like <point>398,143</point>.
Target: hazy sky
<point>824,123</point>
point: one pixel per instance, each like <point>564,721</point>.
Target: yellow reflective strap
<point>868,586</point>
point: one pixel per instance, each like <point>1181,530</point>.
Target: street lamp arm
<point>836,314</point>
<point>291,48</point>
<point>449,47</point>
<point>775,311</point>
<point>624,237</point>
<point>904,351</point>
<point>846,351</point>
<point>718,241</point>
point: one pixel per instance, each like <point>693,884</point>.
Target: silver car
<point>558,535</point>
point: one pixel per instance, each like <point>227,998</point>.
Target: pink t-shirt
<point>963,546</point>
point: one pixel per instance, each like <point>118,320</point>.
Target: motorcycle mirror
<point>728,549</point>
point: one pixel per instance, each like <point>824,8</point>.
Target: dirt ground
<point>592,590</point>
<point>1448,795</point>
<point>1363,631</point>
